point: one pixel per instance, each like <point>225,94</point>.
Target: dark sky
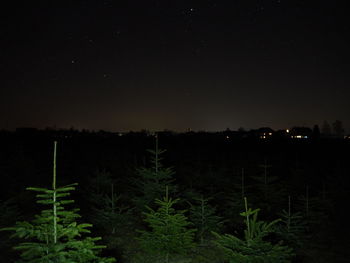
<point>161,64</point>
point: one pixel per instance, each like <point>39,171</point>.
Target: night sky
<point>161,64</point>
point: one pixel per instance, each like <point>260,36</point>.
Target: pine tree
<point>253,247</point>
<point>169,233</point>
<point>54,236</point>
<point>151,182</point>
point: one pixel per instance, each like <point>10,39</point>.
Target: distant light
<point>300,136</point>
<point>270,133</point>
<point>287,130</point>
<point>227,137</point>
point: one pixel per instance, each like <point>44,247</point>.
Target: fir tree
<point>98,187</point>
<point>109,213</point>
<point>114,221</point>
<point>54,236</point>
<point>169,233</point>
<point>234,202</point>
<point>151,182</point>
<point>253,247</point>
<point>292,228</point>
<point>8,211</point>
<point>268,190</point>
<point>314,208</point>
<point>204,218</point>
<point>315,212</point>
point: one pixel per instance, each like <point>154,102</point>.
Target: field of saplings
<point>194,198</point>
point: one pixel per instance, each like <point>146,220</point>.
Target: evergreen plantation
<point>218,201</point>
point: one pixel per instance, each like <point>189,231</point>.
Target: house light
<point>287,131</point>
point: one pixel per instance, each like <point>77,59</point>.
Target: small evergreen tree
<point>54,236</point>
<point>151,182</point>
<point>8,211</point>
<point>114,221</point>
<point>109,215</point>
<point>253,248</point>
<point>313,208</point>
<point>268,190</point>
<point>169,233</point>
<point>98,186</point>
<point>234,199</point>
<point>292,228</point>
<point>204,218</point>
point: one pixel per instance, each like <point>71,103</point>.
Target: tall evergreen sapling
<point>268,190</point>
<point>169,234</point>
<point>8,211</point>
<point>253,248</point>
<point>151,182</point>
<point>314,209</point>
<point>204,218</point>
<point>234,202</point>
<point>113,220</point>
<point>54,236</point>
<point>292,228</point>
<point>109,215</point>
